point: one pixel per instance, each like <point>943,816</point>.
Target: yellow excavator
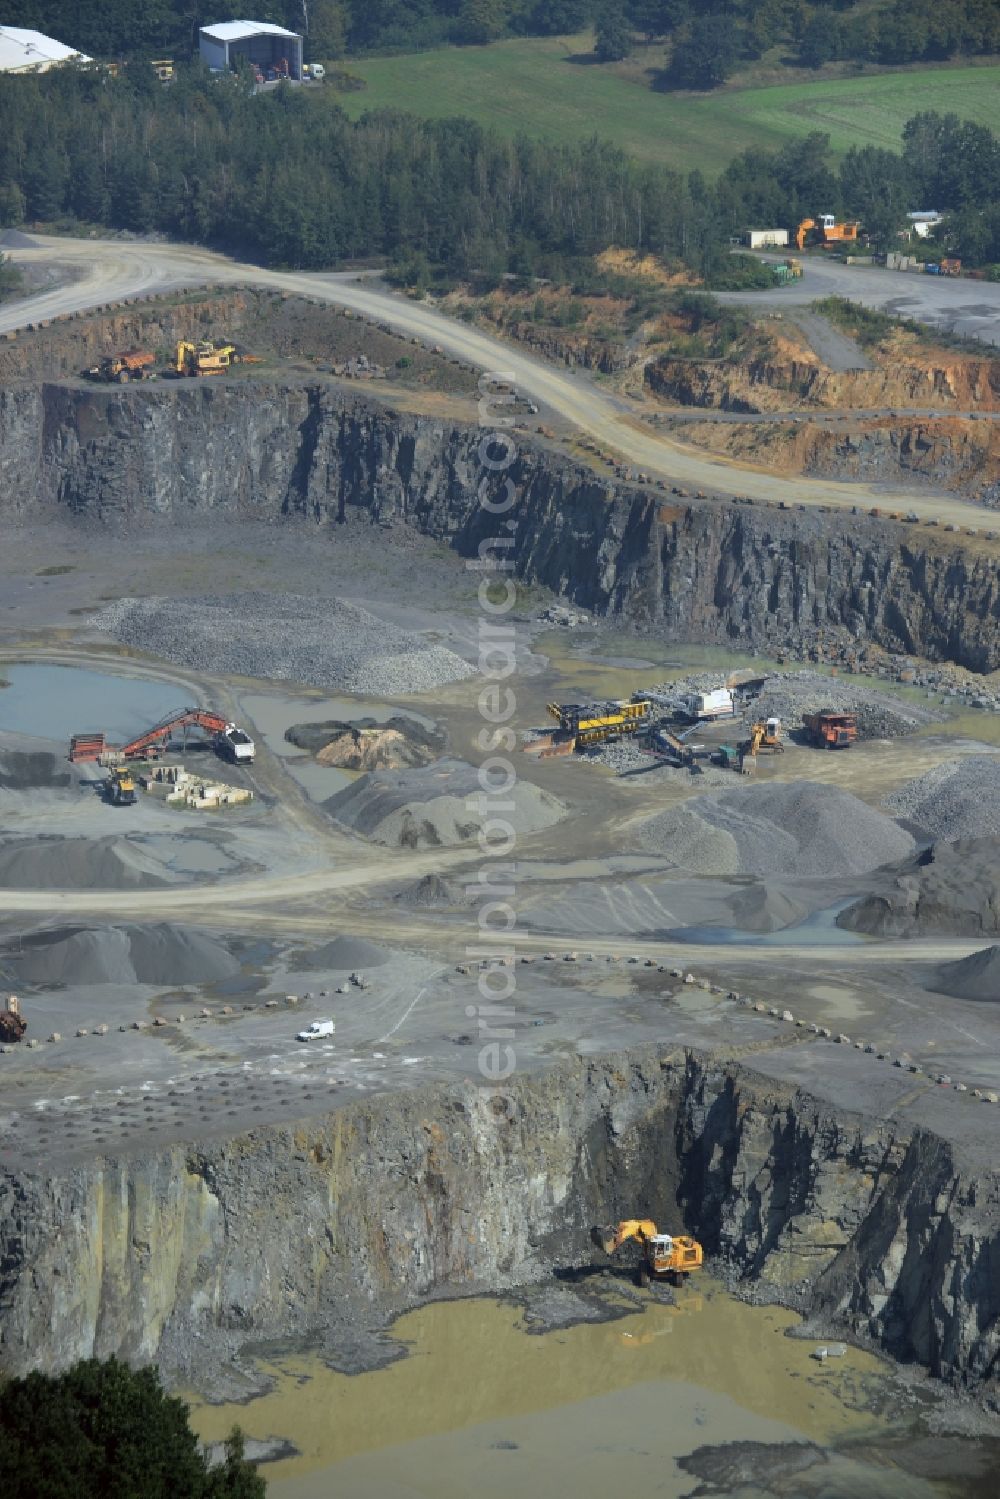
<point>206,358</point>
<point>766,736</point>
<point>664,1256</point>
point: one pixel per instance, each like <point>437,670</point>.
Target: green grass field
<point>534,86</point>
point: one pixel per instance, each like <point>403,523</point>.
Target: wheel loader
<point>670,1257</point>
<point>119,788</point>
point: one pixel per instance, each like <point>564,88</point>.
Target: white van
<point>314,70</point>
<point>315,1029</point>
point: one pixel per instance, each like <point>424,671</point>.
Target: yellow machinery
<point>594,723</point>
<point>664,1256</point>
<point>766,736</point>
<point>132,364</point>
<point>205,359</point>
<point>826,231</point>
<point>119,788</point>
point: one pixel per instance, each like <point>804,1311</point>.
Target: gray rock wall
<point>334,1225</point>
<point>702,570</point>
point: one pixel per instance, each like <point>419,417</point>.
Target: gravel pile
<point>974,977</point>
<point>345,953</point>
<point>790,695</point>
<point>50,863</point>
<point>438,807</point>
<point>160,954</point>
<point>285,637</point>
<point>951,889</point>
<point>800,829</point>
<point>433,890</point>
<point>957,799</point>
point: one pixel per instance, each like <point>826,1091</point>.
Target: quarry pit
<point>815,1098</point>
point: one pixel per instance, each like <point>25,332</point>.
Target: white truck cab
<point>235,744</point>
<point>315,1029</point>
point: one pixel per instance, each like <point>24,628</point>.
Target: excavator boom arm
<point>612,1238</point>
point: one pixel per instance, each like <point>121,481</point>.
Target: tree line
<point>708,39</point>
<point>101,1430</point>
<point>286,178</point>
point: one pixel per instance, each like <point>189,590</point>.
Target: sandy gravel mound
<point>363,744</point>
<point>957,799</point>
<point>160,954</point>
<point>342,952</point>
<point>800,828</point>
<point>436,807</point>
<point>974,977</point>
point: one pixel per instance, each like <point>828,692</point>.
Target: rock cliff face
<point>939,451</point>
<point>712,571</point>
<point>787,379</point>
<point>343,1220</point>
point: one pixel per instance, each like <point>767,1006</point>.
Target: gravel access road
<point>110,270</point>
<point>834,348</point>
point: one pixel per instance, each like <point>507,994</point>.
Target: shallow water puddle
<point>480,1404</point>
<point>53,702</point>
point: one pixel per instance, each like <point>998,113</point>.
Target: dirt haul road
<point>102,272</point>
<point>283,901</point>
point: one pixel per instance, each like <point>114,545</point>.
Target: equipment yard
<point>324,960</point>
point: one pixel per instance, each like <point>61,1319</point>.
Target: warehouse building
<point>32,52</point>
<point>271,50</point>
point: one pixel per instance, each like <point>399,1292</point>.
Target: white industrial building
<point>33,52</point>
<point>761,239</point>
<point>272,50</point>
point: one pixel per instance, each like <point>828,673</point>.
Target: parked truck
<point>131,364</point>
<point>315,1030</point>
<point>831,730</point>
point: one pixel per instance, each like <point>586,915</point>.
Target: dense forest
<point>287,178</point>
<point>706,40</point>
<point>710,39</point>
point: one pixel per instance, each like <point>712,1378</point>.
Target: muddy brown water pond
<point>705,1391</point>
